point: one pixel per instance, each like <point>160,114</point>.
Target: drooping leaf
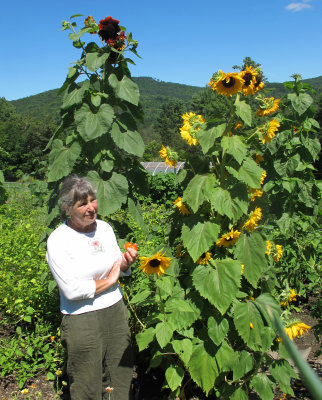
<point>136,212</point>
<point>264,300</point>
<point>235,147</point>
<point>143,339</point>
<point>250,173</point>
<point>183,348</point>
<point>74,95</point>
<point>62,159</point>
<point>111,194</point>
<point>174,376</point>
<point>163,333</point>
<point>198,238</point>
<point>243,365</point>
<point>218,285</point>
<point>217,329</point>
<point>243,111</point>
<point>125,89</point>
<point>130,141</point>
<point>221,201</point>
<point>250,251</point>
<point>203,368</point>
<point>249,324</point>
<point>282,373</point>
<point>198,190</point>
<point>300,102</point>
<point>208,134</point>
<point>92,125</point>
<point>262,385</point>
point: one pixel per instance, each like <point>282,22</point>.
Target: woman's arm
<point>110,280</point>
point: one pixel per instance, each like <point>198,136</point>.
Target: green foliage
<point>163,188</point>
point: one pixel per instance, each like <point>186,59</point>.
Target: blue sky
<point>179,41</point>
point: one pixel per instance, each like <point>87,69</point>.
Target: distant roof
<point>160,166</point>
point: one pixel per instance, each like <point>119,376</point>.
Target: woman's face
<point>83,213</point>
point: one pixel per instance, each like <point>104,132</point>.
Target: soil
<point>148,386</point>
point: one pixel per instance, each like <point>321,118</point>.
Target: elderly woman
<point>86,262</point>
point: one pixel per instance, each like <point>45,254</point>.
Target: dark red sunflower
<point>109,29</point>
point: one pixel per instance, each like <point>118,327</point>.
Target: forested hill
<point>153,93</point>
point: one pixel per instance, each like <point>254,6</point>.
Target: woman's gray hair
<point>74,188</point>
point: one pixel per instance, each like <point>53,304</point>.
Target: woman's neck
<point>79,228</point>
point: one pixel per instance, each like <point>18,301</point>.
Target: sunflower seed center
<point>154,263</point>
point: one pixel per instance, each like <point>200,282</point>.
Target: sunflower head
<point>180,206</point>
<point>90,23</point>
<point>191,125</point>
<point>169,156</point>
<point>226,84</point>
<point>229,239</point>
<point>156,264</point>
<point>252,223</point>
<point>267,105</point>
<point>271,129</point>
<point>249,77</point>
<point>204,258</point>
<point>109,29</point>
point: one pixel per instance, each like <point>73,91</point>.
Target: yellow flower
<point>255,193</point>
<point>227,84</point>
<point>271,130</point>
<point>58,372</point>
<point>191,125</point>
<point>268,247</point>
<point>156,264</point>
<point>269,106</point>
<point>168,156</point>
<point>249,76</point>
<point>204,258</point>
<point>259,83</point>
<point>238,125</point>
<point>251,325</point>
<point>252,223</point>
<point>279,252</point>
<point>24,391</point>
<point>259,158</point>
<point>242,269</point>
<point>229,239</point>
<point>296,329</point>
<point>182,208</point>
<point>52,338</point>
<point>264,175</point>
<point>292,297</point>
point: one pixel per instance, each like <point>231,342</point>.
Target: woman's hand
<point>128,258</point>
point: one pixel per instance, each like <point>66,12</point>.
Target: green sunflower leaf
<point>218,285</point>
<point>130,141</point>
<point>262,385</point>
<point>239,394</point>
<point>183,313</point>
<point>136,212</point>
<point>198,238</point>
<point>174,376</point>
<point>243,111</point>
<point>143,339</point>
<point>282,372</point>
<point>74,95</point>
<point>94,61</point>
<point>198,190</point>
<point>243,365</point>
<point>249,324</point>
<point>163,333</point>
<point>235,147</point>
<point>300,102</point>
<point>203,367</point>
<point>125,89</point>
<point>250,251</point>
<point>250,173</point>
<point>111,194</point>
<point>92,125</point>
<point>208,134</point>
<point>62,159</point>
<point>183,348</point>
<point>217,329</point>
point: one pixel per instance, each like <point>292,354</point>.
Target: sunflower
<point>181,207</point>
<point>271,130</point>
<point>169,156</point>
<point>156,264</point>
<point>264,175</point>
<point>242,269</point>
<point>109,29</point>
<point>226,84</point>
<point>259,85</point>
<point>238,125</point>
<point>90,22</point>
<point>296,329</point>
<point>229,239</point>
<point>255,193</point>
<point>252,223</point>
<point>191,125</point>
<point>251,325</point>
<point>278,252</point>
<point>268,247</point>
<point>204,258</point>
<point>259,158</point>
<point>292,297</point>
<point>249,76</point>
<point>268,106</point>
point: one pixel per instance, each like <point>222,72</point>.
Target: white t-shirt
<point>76,259</point>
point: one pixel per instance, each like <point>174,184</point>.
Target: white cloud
<point>295,7</point>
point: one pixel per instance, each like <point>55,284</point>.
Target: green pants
<point>99,353</point>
